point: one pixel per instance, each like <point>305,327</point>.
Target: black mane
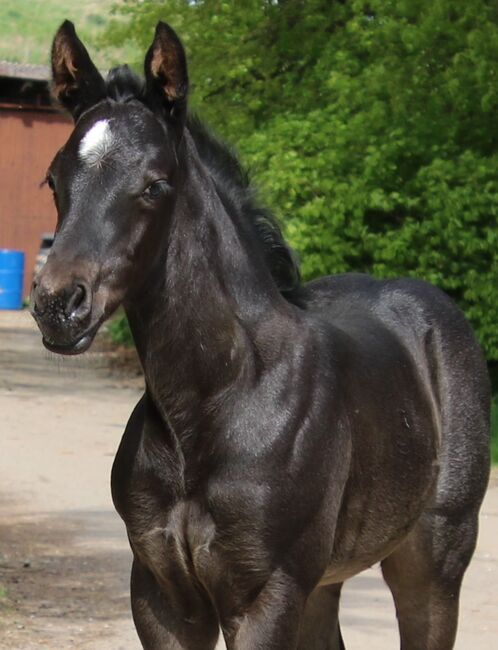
<point>231,180</point>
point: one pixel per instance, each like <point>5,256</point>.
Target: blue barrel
<point>11,279</point>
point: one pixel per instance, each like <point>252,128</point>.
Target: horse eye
<point>156,190</point>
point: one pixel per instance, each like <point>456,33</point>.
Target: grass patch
<point>28,26</point>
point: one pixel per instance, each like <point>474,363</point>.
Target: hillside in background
<point>27,28</point>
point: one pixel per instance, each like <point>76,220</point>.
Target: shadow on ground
<point>39,576</point>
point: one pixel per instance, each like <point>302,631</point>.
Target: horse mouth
<point>78,346</point>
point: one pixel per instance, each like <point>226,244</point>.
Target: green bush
<point>119,331</point>
<point>370,127</point>
<point>440,225</point>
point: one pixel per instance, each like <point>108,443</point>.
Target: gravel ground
<point>64,557</point>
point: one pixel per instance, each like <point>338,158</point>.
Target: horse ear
<point>166,72</point>
<point>77,82</point>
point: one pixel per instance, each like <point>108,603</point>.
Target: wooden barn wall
<point>28,142</point>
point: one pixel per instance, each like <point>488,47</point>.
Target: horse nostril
<point>78,305</point>
<point>35,300</point>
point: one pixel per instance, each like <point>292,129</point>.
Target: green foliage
<point>370,127</point>
<point>119,331</point>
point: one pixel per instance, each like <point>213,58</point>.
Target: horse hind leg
<point>425,573</point>
<point>320,629</point>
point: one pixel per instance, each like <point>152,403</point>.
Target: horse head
<point>114,184</point>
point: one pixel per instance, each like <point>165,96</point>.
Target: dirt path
<point>64,557</point>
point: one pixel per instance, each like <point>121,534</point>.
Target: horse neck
<point>208,323</point>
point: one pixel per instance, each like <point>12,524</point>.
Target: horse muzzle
<point>63,314</point>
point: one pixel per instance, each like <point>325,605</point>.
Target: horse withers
<point>290,435</point>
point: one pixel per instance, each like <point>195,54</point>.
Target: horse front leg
<point>176,621</point>
<point>273,620</point>
<point>320,629</point>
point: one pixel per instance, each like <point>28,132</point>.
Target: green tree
<point>369,126</point>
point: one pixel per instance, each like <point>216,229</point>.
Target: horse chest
<point>187,547</point>
<point>174,543</point>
